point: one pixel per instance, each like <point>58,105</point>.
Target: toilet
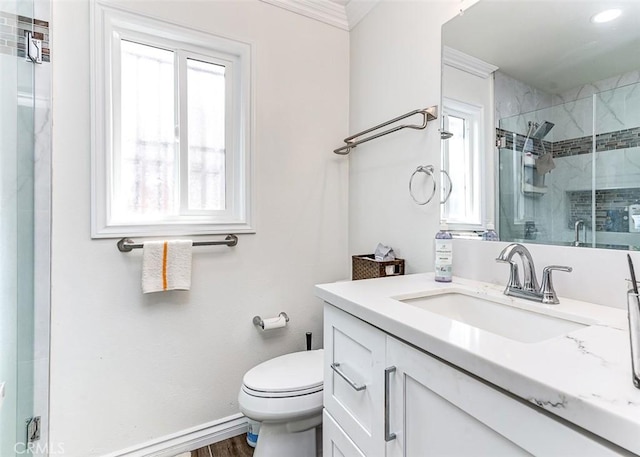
<point>285,395</point>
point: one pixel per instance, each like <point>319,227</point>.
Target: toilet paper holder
<point>258,321</point>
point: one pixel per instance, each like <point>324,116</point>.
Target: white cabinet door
<point>335,442</point>
<point>437,410</point>
<point>353,378</point>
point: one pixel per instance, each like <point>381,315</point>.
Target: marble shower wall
<point>514,98</point>
<point>617,129</point>
<point>615,95</point>
<point>617,102</point>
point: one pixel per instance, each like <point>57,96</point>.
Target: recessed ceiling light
<point>606,16</point>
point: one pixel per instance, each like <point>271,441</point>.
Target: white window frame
<point>475,185</point>
<point>112,25</point>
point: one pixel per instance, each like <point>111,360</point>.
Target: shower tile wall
<point>12,30</point>
<point>514,97</point>
<point>552,210</point>
<point>617,141</point>
<point>612,213</point>
<point>609,141</point>
<point>611,113</point>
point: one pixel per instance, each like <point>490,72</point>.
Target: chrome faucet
<point>529,288</point>
<point>530,281</point>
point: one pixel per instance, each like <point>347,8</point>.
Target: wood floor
<point>238,447</point>
<point>233,447</point>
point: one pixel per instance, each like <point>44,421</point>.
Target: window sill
<point>465,235</point>
<point>120,231</point>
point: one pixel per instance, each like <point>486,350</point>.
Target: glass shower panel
<point>16,231</point>
<point>544,165</point>
<point>617,170</point>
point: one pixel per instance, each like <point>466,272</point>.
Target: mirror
<point>559,83</point>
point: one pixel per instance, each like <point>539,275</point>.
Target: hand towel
<point>166,265</point>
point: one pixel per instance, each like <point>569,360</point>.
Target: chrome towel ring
<point>428,170</point>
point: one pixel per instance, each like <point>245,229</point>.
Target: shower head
<point>444,135</point>
<point>531,126</point>
<point>542,130</point>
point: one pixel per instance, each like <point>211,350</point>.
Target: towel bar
<point>428,114</point>
<point>127,244</point>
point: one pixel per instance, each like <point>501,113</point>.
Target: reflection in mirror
<point>561,87</point>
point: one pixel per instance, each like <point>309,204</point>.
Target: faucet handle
<point>514,276</point>
<point>549,296</point>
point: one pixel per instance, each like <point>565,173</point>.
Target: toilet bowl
<point>285,395</point>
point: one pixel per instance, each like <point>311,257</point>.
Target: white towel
<point>166,265</point>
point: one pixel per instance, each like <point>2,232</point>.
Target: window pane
<point>148,160</point>
<point>206,111</point>
<point>458,170</point>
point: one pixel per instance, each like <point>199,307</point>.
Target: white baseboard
<point>186,440</point>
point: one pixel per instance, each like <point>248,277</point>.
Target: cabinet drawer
<point>335,442</point>
<point>353,377</point>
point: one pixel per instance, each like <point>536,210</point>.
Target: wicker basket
<point>365,267</point>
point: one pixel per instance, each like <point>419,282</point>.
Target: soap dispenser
<point>490,233</point>
<point>443,254</point>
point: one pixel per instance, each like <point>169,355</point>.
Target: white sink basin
<point>499,318</point>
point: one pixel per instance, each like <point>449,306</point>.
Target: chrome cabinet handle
<point>336,367</point>
<point>388,436</point>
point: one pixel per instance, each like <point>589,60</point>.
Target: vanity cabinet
<point>335,441</point>
<point>432,407</point>
<point>357,352</point>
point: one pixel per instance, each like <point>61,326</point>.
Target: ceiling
<point>551,45</point>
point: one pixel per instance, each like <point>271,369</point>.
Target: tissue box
<point>365,267</point>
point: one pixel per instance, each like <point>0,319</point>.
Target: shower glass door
<point>547,202</point>
<point>16,231</point>
<point>585,198</point>
<point>617,167</point>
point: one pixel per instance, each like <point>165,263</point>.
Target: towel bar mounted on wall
<point>127,244</point>
<point>428,114</point>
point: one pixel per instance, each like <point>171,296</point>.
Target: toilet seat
<point>294,393</point>
<point>290,375</point>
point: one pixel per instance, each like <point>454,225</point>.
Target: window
<point>463,209</point>
<point>171,129</point>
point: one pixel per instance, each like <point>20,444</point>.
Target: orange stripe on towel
<point>164,265</point>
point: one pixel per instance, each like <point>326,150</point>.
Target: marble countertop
<point>583,376</point>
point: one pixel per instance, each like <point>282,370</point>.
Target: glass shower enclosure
<point>17,305</point>
<point>553,187</point>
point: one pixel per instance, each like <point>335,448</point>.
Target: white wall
<point>395,68</point>
<point>128,368</point>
